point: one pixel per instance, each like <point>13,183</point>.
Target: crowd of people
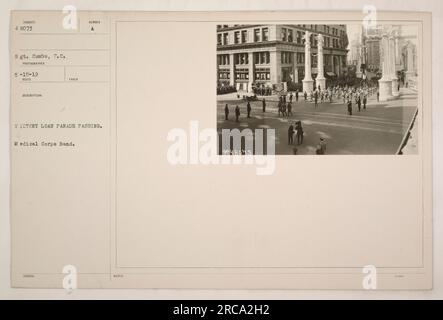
<point>348,94</point>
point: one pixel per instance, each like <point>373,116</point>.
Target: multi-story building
<point>405,42</point>
<point>373,53</point>
<point>265,55</point>
<point>353,53</point>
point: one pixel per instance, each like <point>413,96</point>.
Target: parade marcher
<point>248,109</point>
<point>350,107</point>
<point>289,109</point>
<point>291,134</point>
<point>226,112</point>
<point>283,109</point>
<point>264,105</point>
<point>299,130</point>
<point>237,113</point>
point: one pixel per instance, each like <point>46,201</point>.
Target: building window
<point>224,75</point>
<point>256,35</point>
<point>241,58</point>
<point>242,74</point>
<point>237,37</point>
<point>225,38</point>
<point>300,57</point>
<point>286,57</point>
<point>290,35</point>
<point>265,34</point>
<point>244,36</point>
<point>223,59</point>
<point>284,34</point>
<point>261,57</point>
<point>219,39</point>
<point>299,37</point>
<point>262,74</point>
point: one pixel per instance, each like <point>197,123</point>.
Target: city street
<point>377,130</point>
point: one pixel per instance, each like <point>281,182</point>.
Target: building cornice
<point>275,43</point>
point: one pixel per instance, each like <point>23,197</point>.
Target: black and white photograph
<point>325,89</point>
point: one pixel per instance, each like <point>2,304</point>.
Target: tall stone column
<point>294,68</point>
<point>275,66</point>
<point>385,83</point>
<point>394,78</point>
<point>359,53</point>
<point>332,63</point>
<point>397,49</point>
<point>250,70</point>
<point>321,81</point>
<point>409,60</point>
<point>231,70</point>
<point>307,81</point>
<point>339,64</point>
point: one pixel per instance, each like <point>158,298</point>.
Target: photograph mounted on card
<point>228,150</point>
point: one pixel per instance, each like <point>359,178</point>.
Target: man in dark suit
<point>226,112</point>
<point>237,113</point>
<point>299,130</point>
<point>289,109</point>
<point>291,134</point>
<point>350,107</point>
<point>248,109</point>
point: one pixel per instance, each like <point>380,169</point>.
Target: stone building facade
<point>266,55</point>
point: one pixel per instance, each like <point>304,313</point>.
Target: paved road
<point>377,130</point>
